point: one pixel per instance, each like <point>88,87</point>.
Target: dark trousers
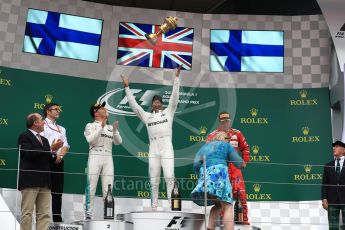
<point>57,177</point>
<point>333,216</point>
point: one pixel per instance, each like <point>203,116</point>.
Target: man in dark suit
<point>333,186</point>
<point>34,182</point>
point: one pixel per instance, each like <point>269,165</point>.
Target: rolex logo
<point>258,158</point>
<point>307,168</point>
<point>2,162</point>
<point>257,195</point>
<point>203,130</point>
<point>254,112</point>
<point>256,187</point>
<point>4,121</point>
<point>308,176</point>
<point>303,93</point>
<point>303,101</point>
<point>305,138</point>
<point>255,149</point>
<point>201,137</point>
<point>48,98</point>
<point>254,119</point>
<point>305,130</point>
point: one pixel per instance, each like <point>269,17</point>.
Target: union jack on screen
<point>172,49</point>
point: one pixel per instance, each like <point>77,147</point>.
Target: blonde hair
<point>220,136</point>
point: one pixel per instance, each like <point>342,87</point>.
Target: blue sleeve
<point>197,162</point>
<point>234,157</point>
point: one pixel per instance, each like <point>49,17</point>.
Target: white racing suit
<point>100,160</point>
<point>161,151</point>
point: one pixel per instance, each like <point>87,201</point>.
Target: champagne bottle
<point>239,209</point>
<point>109,204</point>
<point>236,209</point>
<point>175,198</point>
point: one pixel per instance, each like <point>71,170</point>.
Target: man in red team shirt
<point>237,140</point>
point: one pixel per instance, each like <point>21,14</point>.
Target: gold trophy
<point>170,23</point>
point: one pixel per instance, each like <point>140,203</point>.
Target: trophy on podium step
<point>170,23</point>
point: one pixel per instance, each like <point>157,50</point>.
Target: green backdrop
<point>288,130</point>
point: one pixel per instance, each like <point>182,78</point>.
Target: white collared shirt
<point>53,131</point>
<point>341,162</point>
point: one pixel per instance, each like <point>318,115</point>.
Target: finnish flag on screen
<point>247,51</point>
<point>61,35</point>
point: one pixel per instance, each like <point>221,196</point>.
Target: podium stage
<point>164,220</point>
<point>151,221</point>
<point>104,224</point>
<point>146,220</point>
<point>239,227</point>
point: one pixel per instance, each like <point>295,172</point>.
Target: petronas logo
<point>48,98</point>
<point>303,93</point>
<point>254,112</point>
<point>255,149</point>
<point>305,130</point>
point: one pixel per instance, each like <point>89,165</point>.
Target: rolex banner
<point>288,130</point>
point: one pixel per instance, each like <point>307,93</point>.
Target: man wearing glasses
<point>54,132</point>
<point>238,141</point>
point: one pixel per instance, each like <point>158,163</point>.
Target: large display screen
<point>62,35</point>
<point>247,51</point>
<point>172,49</point>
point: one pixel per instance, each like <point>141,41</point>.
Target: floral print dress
<point>216,155</point>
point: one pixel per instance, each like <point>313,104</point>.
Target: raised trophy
<point>170,23</point>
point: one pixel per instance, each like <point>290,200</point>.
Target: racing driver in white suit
<point>100,137</point>
<point>159,127</point>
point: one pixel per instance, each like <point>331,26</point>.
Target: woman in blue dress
<point>217,153</point>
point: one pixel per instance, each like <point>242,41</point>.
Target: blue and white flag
<point>247,51</point>
<point>61,35</point>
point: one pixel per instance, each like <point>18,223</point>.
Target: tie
<point>39,138</point>
<point>337,169</point>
